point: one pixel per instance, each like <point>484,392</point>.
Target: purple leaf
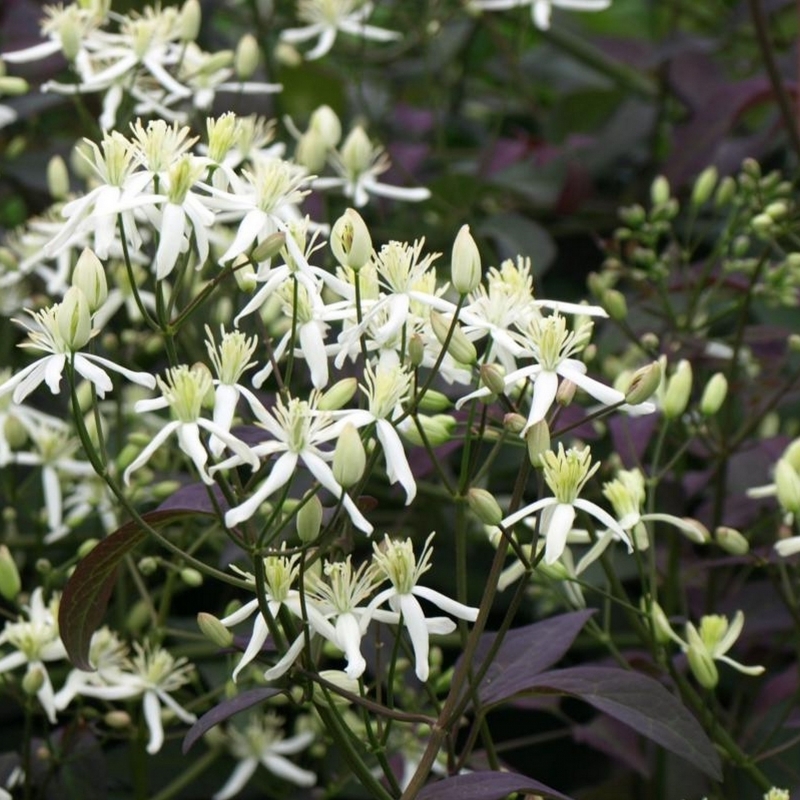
<point>616,740</point>
<point>225,710</point>
<point>525,652</point>
<point>85,598</point>
<point>485,786</point>
<point>640,702</point>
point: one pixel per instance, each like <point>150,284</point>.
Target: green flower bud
<point>702,665</point>
<point>86,547</point>
<point>43,566</point>
<point>633,216</point>
<point>679,389</point>
<point>327,697</point>
<point>73,319</point>
<point>704,186</point>
<point>514,423</point>
<point>244,274</point>
<point>434,402</point>
<point>731,541</point>
<point>726,191</point>
<point>614,302</point>
<point>787,484</point>
<point>416,350</point>
<point>565,393</point>
<point>763,224</point>
<point>349,457</point>
<point>191,577</point>
<point>90,277</point>
<point>148,565</point>
<point>325,124</point>
<point>57,178</point>
<point>714,395</point>
<point>437,429</point>
<point>13,87</point>
<point>309,520</point>
<point>33,680</point>
<point>190,19</point>
<point>459,346</point>
<point>661,627</point>
<point>118,720</point>
<point>245,61</point>
<point>537,440</point>
<point>659,191</point>
<point>465,264</point>
<point>644,382</point>
<point>777,210</point>
<point>214,630</point>
<point>484,506</point>
<point>339,395</point>
<point>10,583</point>
<point>268,248</point>
<point>492,378</point>
<point>350,240</point>
<point>311,151</point>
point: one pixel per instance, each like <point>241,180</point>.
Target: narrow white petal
<point>545,388</point>
<point>414,621</point>
<point>397,467</point>
<point>282,472</point>
<point>287,659</point>
<point>238,780</point>
<point>284,768</point>
<point>257,639</point>
<point>527,511</point>
<point>560,524</point>
<point>148,451</point>
<point>446,603</point>
<point>152,716</point>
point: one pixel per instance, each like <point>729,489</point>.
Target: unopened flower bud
<point>90,277</point>
<point>659,191</point>
<point>633,216</point>
<point>777,210</point>
<point>565,393</point>
<point>338,395</point>
<point>514,423</point>
<point>325,124</point>
<point>704,186</point>
<point>644,383</point>
<point>311,151</point>
<point>731,541</point>
<point>43,566</point>
<point>191,577</point>
<point>287,54</point>
<point>269,247</point>
<point>492,378</point>
<point>438,430</point>
<point>33,680</point>
<point>726,191</point>
<point>191,17</point>
<point>86,547</point>
<point>245,61</point>
<point>138,617</point>
<point>465,265</point>
<point>10,582</point>
<point>244,274</point>
<point>787,484</point>
<point>11,86</point>
<point>57,178</point>
<point>459,346</point>
<point>118,720</point>
<point>614,303</point>
<point>433,402</point>
<point>214,630</point>
<point>74,319</point>
<point>148,565</point>
<point>537,439</point>
<point>484,506</point>
<point>678,391</point>
<point>714,395</point>
<point>763,224</point>
<point>416,350</point>
<point>794,342</point>
<point>357,151</point>
<point>661,627</point>
<point>350,240</point>
<point>349,457</point>
<point>309,520</point>
<point>327,697</point>
<point>702,665</point>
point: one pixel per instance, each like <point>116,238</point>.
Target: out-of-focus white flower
<point>298,428</point>
<point>183,392</point>
<point>541,10</point>
<point>359,163</point>
<point>396,560</point>
<point>326,18</point>
<point>34,637</point>
<point>262,741</point>
<point>566,473</point>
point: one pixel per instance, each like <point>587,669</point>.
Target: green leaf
<point>86,595</point>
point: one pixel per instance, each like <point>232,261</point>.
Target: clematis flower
<point>183,392</point>
<point>566,473</point>
<point>262,741</point>
<point>547,340</point>
<point>541,10</point>
<point>396,560</point>
<point>298,429</point>
<point>326,18</point>
<point>35,639</point>
<point>62,330</point>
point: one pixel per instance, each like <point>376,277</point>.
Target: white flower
<point>35,639</point>
<point>326,18</point>
<point>398,563</point>
<point>61,330</point>
<point>262,742</point>
<point>298,429</point>
<point>566,473</point>
<point>183,393</point>
<point>359,163</point>
<point>547,340</point>
<point>542,9</point>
